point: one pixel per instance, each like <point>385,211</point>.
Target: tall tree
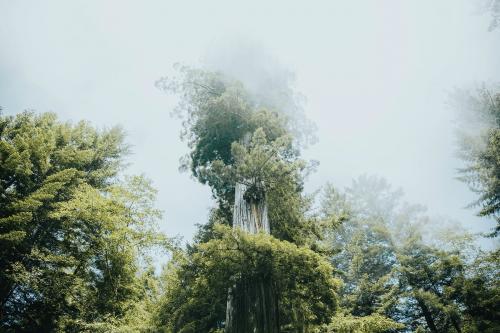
<point>70,232</point>
<point>399,268</point>
<point>197,283</point>
<point>243,149</point>
<point>479,136</point>
<point>431,279</point>
<point>365,243</point>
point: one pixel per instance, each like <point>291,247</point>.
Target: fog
<point>375,77</point>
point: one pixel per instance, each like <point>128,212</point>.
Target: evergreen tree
<point>480,148</point>
<point>235,140</point>
<point>398,268</point>
<point>365,244</point>
<point>480,293</point>
<point>70,231</point>
<point>431,280</point>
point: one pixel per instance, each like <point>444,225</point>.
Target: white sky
<point>375,73</point>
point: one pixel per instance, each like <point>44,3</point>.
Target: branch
<point>209,89</point>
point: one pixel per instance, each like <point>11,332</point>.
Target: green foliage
<point>268,172</point>
<point>480,293</point>
<point>432,279</point>
<point>76,241</point>
<point>70,232</point>
<point>197,284</point>
<point>374,323</point>
<point>364,247</point>
<point>220,120</point>
<point>239,138</point>
<point>480,149</point>
<point>218,112</point>
<point>394,265</point>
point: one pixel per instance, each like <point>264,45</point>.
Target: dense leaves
<point>373,323</point>
<point>77,237</point>
<point>398,265</point>
<point>70,232</point>
<point>257,150</point>
<point>197,285</point>
<point>218,112</point>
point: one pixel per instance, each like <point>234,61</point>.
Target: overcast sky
<point>376,75</point>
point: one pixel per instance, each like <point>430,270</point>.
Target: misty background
<point>375,75</point>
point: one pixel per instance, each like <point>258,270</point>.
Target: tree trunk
<point>251,304</point>
<point>251,307</point>
<point>427,315</point>
<point>249,216</point>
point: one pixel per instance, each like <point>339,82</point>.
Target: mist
<point>373,78</point>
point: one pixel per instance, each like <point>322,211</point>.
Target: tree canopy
<point>73,237</point>
<point>479,136</point>
<point>79,238</point>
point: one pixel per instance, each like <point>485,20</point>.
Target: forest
<point>78,238</point>
<point>82,249</point>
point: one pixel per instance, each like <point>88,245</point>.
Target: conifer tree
<point>244,150</point>
<point>70,231</point>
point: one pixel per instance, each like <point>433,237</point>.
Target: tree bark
<point>251,304</point>
<point>252,307</point>
<point>249,216</point>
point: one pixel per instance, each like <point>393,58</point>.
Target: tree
<point>365,244</point>
<point>197,284</point>
<point>431,280</point>
<point>71,233</point>
<point>243,149</point>
<point>480,293</point>
<point>399,269</point>
<point>480,148</point>
<point>217,112</point>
